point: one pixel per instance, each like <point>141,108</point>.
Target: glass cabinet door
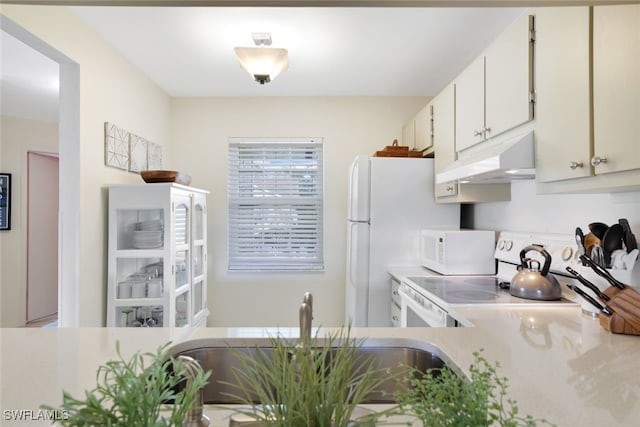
<point>198,222</point>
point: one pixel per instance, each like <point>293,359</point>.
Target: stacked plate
<point>148,234</point>
<point>151,225</point>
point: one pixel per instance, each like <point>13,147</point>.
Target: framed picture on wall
<point>5,201</point>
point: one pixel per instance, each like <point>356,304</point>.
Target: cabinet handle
<point>575,165</point>
<point>482,132</point>
<point>596,160</point>
<point>449,188</point>
<point>396,318</point>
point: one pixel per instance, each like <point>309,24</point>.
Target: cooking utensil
<point>628,237</point>
<point>617,259</point>
<point>588,297</point>
<point>588,284</point>
<point>590,240</point>
<point>597,255</point>
<point>602,272</point>
<point>598,229</point>
<point>611,241</point>
<point>532,283</point>
<point>580,241</point>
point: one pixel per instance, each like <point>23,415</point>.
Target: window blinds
<point>275,204</point>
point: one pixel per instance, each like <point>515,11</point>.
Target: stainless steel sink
<point>397,355</point>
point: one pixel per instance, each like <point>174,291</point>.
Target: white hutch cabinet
<point>157,265</point>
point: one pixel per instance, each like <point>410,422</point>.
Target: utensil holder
<point>625,305</point>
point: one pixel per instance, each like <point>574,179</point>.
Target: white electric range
<point>430,299</point>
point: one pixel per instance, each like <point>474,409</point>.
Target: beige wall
<point>111,89</point>
<point>194,133</point>
<point>17,138</point>
<point>199,133</point>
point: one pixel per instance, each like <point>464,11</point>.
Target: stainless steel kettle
<point>532,283</point>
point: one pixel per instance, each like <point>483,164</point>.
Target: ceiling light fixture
<point>262,63</point>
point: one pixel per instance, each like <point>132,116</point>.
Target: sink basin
<point>397,355</point>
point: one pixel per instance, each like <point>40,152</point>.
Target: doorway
<point>68,277</point>
<point>42,236</point>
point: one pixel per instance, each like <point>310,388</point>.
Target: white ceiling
<point>29,87</point>
<point>188,51</point>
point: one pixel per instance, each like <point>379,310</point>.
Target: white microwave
<point>458,252</point>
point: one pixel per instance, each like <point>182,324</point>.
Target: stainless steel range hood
<point>494,162</point>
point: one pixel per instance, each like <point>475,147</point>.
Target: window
<point>275,204</point>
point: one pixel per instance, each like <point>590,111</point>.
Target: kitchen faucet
<point>306,317</point>
<point>196,416</point>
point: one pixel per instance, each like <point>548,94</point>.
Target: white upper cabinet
<point>509,77</point>
<point>562,84</point>
<point>493,94</point>
<point>443,113</point>
<point>443,117</point>
<point>422,121</point>
<point>588,98</point>
<point>616,88</point>
<point>470,105</point>
<point>409,134</point>
<point>416,134</point>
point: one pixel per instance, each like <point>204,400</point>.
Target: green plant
<point>134,393</point>
<point>444,398</point>
<point>314,386</point>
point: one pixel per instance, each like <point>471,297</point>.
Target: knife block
<point>625,305</point>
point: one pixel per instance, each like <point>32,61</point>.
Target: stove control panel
<point>561,247</point>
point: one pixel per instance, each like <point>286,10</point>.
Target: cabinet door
<point>508,78</point>
<point>444,137</point>
<point>422,123</point>
<point>470,105</point>
<point>183,261</point>
<point>616,87</point>
<point>199,238</point>
<point>562,91</point>
<point>409,134</point>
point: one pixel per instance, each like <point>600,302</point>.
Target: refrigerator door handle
<point>353,188</point>
<point>358,257</point>
<point>350,264</point>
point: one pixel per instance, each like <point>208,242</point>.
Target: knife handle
<point>593,302</point>
<point>588,284</point>
<point>602,272</point>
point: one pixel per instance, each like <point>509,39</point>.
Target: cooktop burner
<point>465,290</point>
<point>460,289</point>
<point>463,296</point>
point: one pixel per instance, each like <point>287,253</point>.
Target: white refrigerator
<point>390,200</point>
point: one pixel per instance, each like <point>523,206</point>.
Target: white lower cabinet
<point>157,256</point>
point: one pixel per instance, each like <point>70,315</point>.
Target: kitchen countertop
<point>561,364</point>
